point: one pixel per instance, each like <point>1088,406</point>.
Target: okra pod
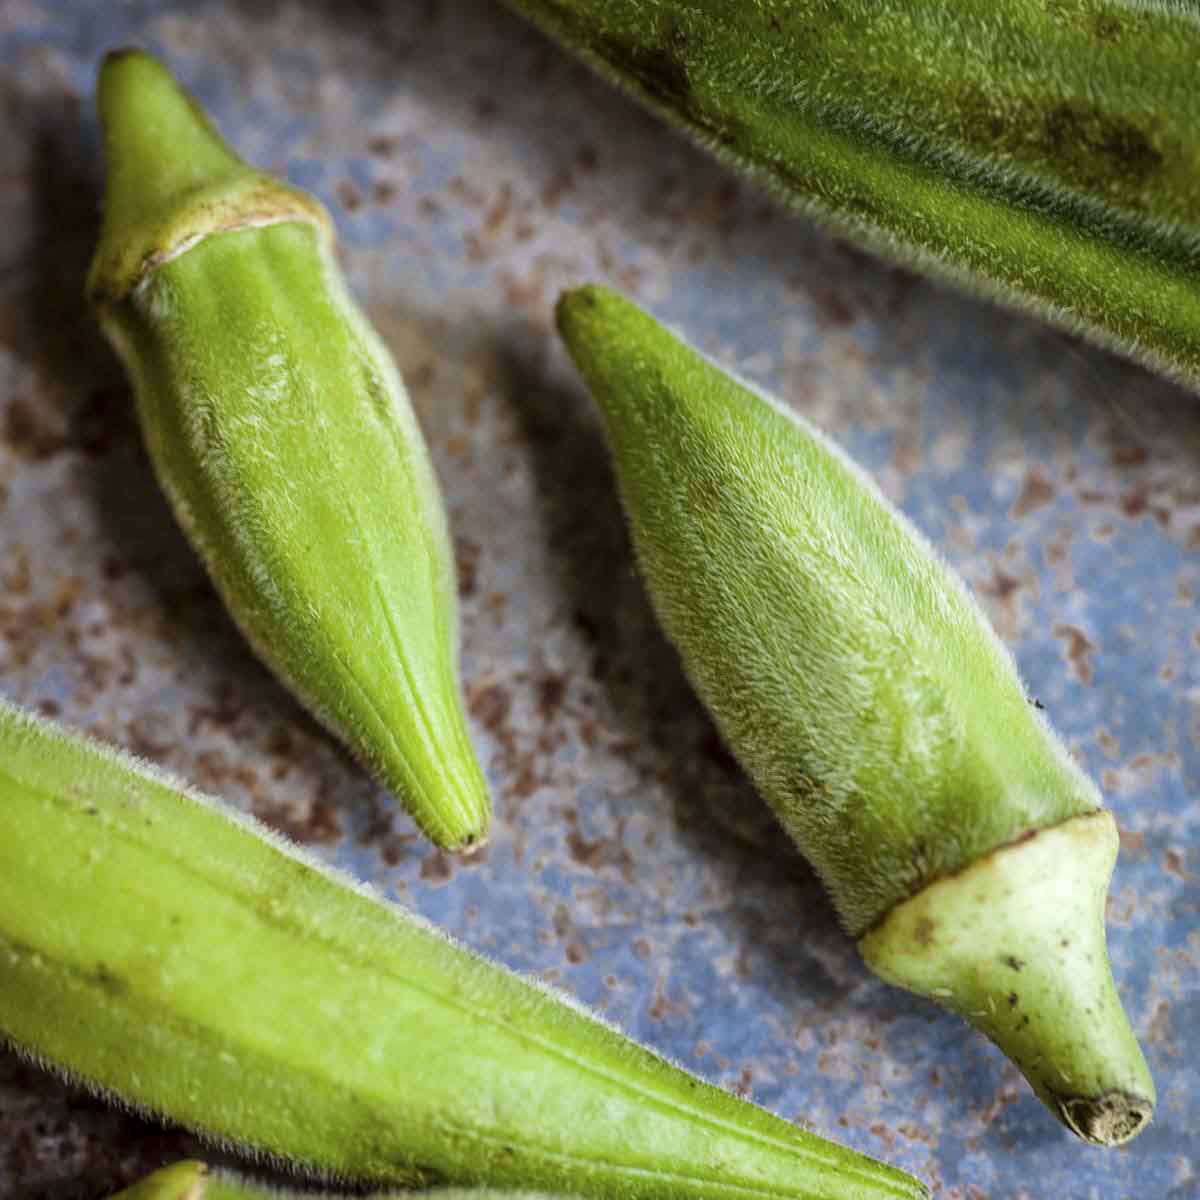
<point>853,676</point>
<point>281,432</point>
<point>196,1181</point>
<point>1046,155</point>
<point>178,957</point>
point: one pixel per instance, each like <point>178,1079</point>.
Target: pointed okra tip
<point>171,178</point>
<point>1015,943</point>
<point>594,320</point>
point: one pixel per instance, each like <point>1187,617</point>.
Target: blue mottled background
<point>473,170</point>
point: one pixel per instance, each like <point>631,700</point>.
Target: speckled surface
<point>472,170</point>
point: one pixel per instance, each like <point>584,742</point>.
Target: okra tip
<point>1015,943</point>
<point>172,178</point>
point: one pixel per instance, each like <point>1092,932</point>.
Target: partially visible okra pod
<point>194,1180</point>
<point>174,955</point>
<point>280,430</point>
<point>865,693</point>
<point>1047,155</point>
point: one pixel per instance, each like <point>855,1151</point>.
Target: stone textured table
<point>473,170</point>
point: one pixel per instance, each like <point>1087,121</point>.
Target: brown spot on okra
<point>923,933</point>
<point>659,70</point>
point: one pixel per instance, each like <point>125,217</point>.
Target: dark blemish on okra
<point>1094,147</point>
<point>1013,963</point>
<point>659,70</point>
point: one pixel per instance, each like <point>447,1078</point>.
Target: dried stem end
<point>1015,943</point>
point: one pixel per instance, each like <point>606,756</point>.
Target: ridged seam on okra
<point>1044,154</point>
<point>280,430</point>
<point>170,953</point>
<point>865,693</point>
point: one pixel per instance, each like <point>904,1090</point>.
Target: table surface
<point>473,170</point>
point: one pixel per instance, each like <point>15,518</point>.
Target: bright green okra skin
<point>1047,155</point>
<point>280,430</point>
<point>175,956</point>
<point>874,707</point>
<point>194,1181</point>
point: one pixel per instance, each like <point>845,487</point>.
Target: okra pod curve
<point>176,956</point>
<point>880,716</point>
<point>1045,155</point>
<point>281,432</point>
<point>195,1181</point>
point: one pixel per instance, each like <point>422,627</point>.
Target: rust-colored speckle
<point>490,706</point>
<point>661,1005</point>
<point>382,145</point>
<point>16,575</point>
<point>1173,861</point>
<point>884,1134</point>
<point>1159,1025</point>
<point>467,555</point>
<point>1036,492</point>
<point>1079,649</point>
<point>576,953</point>
<point>1129,456</point>
<point>602,852</point>
<point>349,197</point>
<point>1134,504</point>
<point>551,691</point>
<point>832,309</point>
<point>32,433</point>
<point>437,869</point>
<point>319,825</point>
<point>499,211</point>
<point>383,192</point>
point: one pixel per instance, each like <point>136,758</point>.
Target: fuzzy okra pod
<point>174,955</point>
<point>865,693</point>
<point>1047,155</point>
<point>281,432</point>
<point>194,1181</point>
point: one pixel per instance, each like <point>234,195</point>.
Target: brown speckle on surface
<point>349,197</point>
<point>1078,649</point>
<point>1036,492</point>
<point>437,868</point>
<point>32,431</point>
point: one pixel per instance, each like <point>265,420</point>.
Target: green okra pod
<point>175,956</point>
<point>1046,155</point>
<point>876,710</point>
<point>281,432</point>
<point>194,1180</point>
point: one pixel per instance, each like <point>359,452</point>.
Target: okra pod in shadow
<point>1045,155</point>
<point>858,683</point>
<point>281,432</point>
<point>173,955</point>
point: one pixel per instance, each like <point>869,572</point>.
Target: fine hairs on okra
<point>172,954</point>
<point>196,1181</point>
<point>879,715</point>
<point>281,432</point>
<point>1044,154</point>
